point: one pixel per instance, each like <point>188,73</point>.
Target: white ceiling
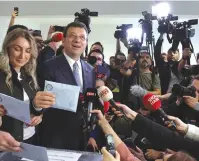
<point>68,8</point>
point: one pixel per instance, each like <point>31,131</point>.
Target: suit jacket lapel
<point>65,69</point>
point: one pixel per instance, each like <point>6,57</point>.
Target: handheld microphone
<point>106,95</point>
<point>90,97</point>
<point>111,84</point>
<point>138,91</point>
<point>106,106</point>
<point>55,38</point>
<point>152,103</point>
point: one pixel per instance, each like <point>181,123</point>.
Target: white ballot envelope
<point>67,96</point>
<point>17,109</point>
<point>31,152</point>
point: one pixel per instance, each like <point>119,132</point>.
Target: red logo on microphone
<point>103,93</point>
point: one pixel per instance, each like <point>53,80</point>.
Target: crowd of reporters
<point>143,136</point>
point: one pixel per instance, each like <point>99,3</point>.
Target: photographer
<point>168,71</point>
<point>184,107</point>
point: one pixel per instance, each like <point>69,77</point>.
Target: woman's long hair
<point>30,67</point>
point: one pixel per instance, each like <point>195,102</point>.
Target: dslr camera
<point>181,91</point>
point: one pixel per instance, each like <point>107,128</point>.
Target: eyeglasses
<point>73,36</point>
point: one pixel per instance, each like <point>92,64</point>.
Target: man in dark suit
<point>62,129</point>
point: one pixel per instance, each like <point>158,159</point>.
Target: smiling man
<point>62,129</point>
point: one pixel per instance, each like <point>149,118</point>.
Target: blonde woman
<point>18,79</point>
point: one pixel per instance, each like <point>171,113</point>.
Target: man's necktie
<point>76,74</point>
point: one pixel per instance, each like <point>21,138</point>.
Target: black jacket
<point>164,68</point>
<point>11,125</point>
<point>164,137</point>
<point>62,129</point>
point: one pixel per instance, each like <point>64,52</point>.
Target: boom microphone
<point>55,38</point>
<point>106,95</point>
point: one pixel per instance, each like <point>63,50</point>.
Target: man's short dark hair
<point>96,51</point>
<point>98,43</point>
<point>120,54</point>
<point>172,50</point>
<point>11,28</point>
<point>74,24</point>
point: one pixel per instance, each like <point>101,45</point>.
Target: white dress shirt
<point>71,63</point>
<point>28,132</point>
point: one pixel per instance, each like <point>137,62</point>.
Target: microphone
<point>111,84</point>
<point>55,38</point>
<point>152,103</point>
<point>106,106</point>
<point>106,95</point>
<point>138,91</point>
<point>90,97</point>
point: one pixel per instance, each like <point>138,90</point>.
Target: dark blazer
<point>62,129</point>
<point>11,125</point>
<point>164,137</point>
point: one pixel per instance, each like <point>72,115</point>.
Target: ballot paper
<point>31,152</point>
<point>67,96</point>
<point>36,153</point>
<point>54,155</point>
<point>15,108</point>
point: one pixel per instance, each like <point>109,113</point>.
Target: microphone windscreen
<point>138,91</point>
<point>105,93</point>
<point>106,106</point>
<point>151,102</point>
<point>57,37</point>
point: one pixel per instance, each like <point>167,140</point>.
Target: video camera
<point>181,91</point>
<point>84,17</point>
<point>184,30</point>
<point>121,31</point>
<point>134,46</point>
<point>165,25</point>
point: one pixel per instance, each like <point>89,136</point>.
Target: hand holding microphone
<point>151,102</point>
<point>106,95</point>
<point>55,38</point>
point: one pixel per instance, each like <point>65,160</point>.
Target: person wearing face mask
<point>96,59</point>
<point>18,80</point>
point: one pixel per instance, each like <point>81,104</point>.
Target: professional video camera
<point>121,31</point>
<point>147,26</point>
<point>190,70</point>
<point>134,46</point>
<point>184,30</point>
<point>181,91</point>
<point>165,25</point>
<point>84,17</point>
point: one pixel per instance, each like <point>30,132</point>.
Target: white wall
<point>102,28</point>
